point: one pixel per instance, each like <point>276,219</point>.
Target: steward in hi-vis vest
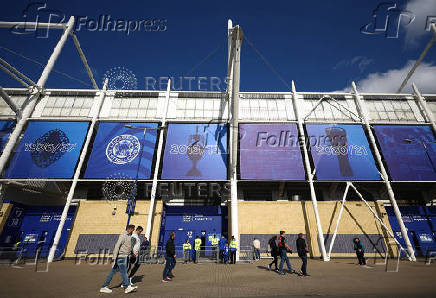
<point>186,251</point>
<point>233,248</point>
<point>197,245</point>
<point>214,241</point>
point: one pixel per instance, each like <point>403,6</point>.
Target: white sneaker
<point>105,290</point>
<point>131,283</point>
<point>130,289</point>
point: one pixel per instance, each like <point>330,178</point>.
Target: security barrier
<point>246,254</point>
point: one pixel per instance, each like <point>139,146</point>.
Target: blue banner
<point>195,152</point>
<point>6,128</point>
<point>119,151</point>
<point>48,150</point>
<point>409,151</point>
<point>270,152</point>
<point>341,152</point>
<point>33,225</point>
<point>188,222</point>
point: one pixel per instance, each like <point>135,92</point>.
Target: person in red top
<point>283,250</point>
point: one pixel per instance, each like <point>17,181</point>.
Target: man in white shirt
<point>136,244</point>
<point>256,248</point>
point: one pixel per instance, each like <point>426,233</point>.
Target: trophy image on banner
<point>338,140</point>
<point>195,152</point>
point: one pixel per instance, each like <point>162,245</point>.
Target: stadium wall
<point>263,219</point>
<point>95,229</point>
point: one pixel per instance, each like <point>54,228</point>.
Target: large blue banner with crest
<point>119,148</point>
<point>48,150</point>
<point>195,152</point>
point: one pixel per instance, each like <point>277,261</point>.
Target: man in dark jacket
<point>360,251</point>
<point>274,252</point>
<point>302,251</point>
<point>170,258</point>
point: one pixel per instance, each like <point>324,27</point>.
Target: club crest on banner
<point>123,149</point>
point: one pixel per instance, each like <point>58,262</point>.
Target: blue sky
<point>318,44</point>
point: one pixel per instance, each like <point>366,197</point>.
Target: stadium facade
<point>331,165</point>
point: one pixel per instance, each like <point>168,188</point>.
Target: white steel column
<point>229,41</point>
<point>28,109</point>
<point>236,37</point>
<point>421,57</point>
<point>427,112</point>
<point>156,167</point>
<point>364,116</point>
<point>309,173</point>
<point>77,173</point>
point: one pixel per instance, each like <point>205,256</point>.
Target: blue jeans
<point>256,254</point>
<point>304,264</point>
<point>121,265</point>
<point>170,263</point>
<point>284,257</point>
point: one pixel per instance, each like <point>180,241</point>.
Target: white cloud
<point>421,9</point>
<point>389,81</point>
<point>361,61</point>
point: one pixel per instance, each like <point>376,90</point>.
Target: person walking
<point>274,252</point>
<point>283,251</point>
<point>197,246</point>
<point>120,256</point>
<point>360,251</point>
<point>233,248</point>
<point>221,244</point>
<point>256,249</point>
<point>170,259</point>
<point>302,251</point>
<point>136,243</point>
<point>187,251</point>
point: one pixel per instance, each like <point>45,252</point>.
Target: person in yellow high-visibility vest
<point>197,245</point>
<point>187,251</point>
<point>233,248</point>
<point>214,242</point>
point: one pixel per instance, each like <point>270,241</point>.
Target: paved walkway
<point>336,278</point>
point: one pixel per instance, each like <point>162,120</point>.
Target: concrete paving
<point>337,278</point>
